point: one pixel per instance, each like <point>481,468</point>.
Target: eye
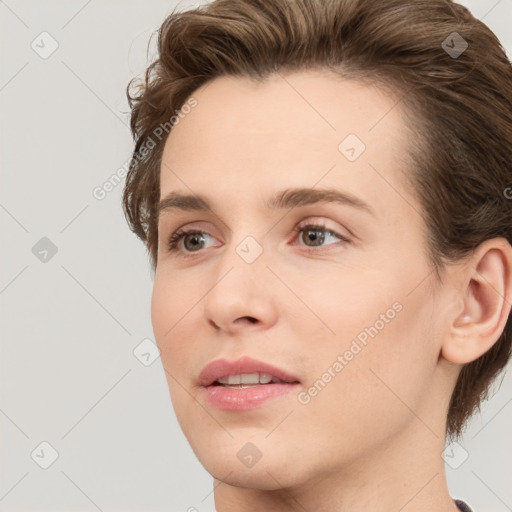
<point>195,237</point>
<point>314,235</point>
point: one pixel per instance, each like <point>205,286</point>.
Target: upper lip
<point>223,368</point>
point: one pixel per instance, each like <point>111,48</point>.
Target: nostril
<point>242,319</point>
<point>251,319</point>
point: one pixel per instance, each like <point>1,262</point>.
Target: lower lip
<point>243,399</point>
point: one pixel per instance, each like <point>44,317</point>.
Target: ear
<point>486,295</point>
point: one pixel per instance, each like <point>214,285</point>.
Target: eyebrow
<point>289,198</point>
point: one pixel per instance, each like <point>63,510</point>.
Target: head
<point>412,274</point>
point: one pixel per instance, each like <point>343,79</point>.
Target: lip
<point>243,399</point>
<point>223,368</point>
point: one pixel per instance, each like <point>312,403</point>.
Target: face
<point>336,293</point>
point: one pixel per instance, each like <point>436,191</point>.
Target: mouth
<point>244,384</point>
<point>249,380</point>
<point>243,372</point>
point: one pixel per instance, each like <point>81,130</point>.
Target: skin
<point>372,438</point>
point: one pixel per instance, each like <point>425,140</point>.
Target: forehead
<point>246,138</point>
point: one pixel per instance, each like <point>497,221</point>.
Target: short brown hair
<point>462,103</point>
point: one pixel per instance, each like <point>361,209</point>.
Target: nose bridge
<point>244,247</point>
<point>242,263</point>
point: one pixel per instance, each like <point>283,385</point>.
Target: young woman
<point>324,189</point>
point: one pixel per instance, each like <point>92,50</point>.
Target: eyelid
<point>320,224</point>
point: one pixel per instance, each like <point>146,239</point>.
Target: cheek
<point>173,299</point>
<point>382,350</point>
<point>172,304</point>
<point>376,384</point>
<point>347,301</point>
<point>172,308</point>
<point>163,313</point>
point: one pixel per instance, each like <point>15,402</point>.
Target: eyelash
<point>176,237</point>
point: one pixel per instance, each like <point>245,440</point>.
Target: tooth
<point>234,379</point>
<point>249,378</point>
<point>265,378</point>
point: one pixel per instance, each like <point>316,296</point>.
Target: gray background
<point>70,324</point>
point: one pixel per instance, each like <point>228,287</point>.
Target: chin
<point>263,477</point>
<point>270,468</point>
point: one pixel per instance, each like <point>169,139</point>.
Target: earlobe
<point>487,298</point>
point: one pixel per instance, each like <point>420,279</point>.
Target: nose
<point>241,295</point>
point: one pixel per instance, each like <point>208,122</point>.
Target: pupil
<point>193,236</point>
<point>315,237</point>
